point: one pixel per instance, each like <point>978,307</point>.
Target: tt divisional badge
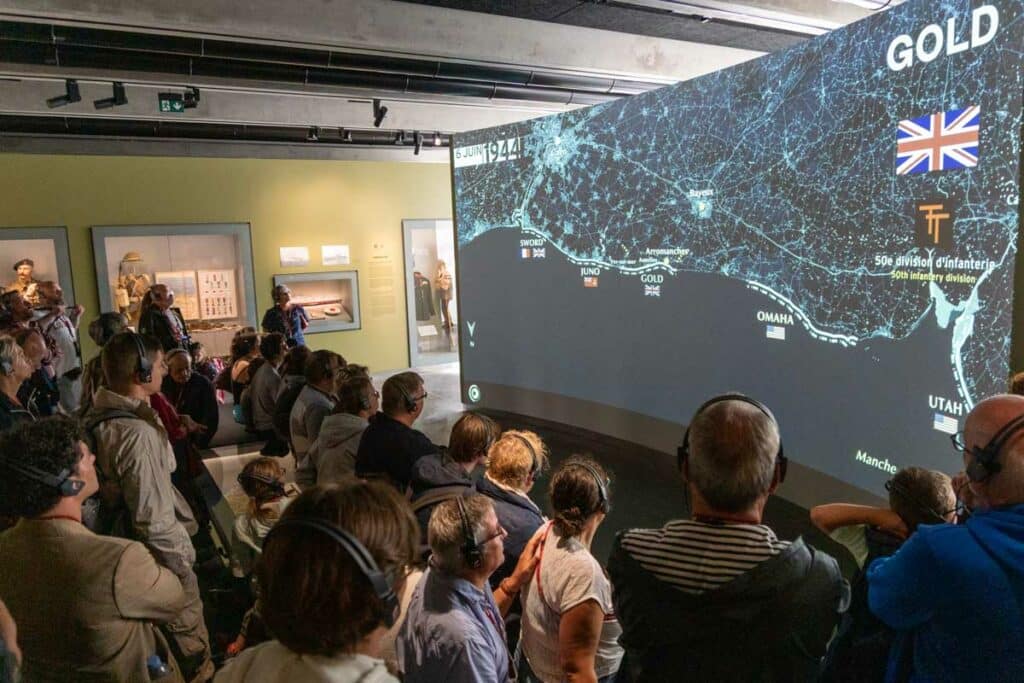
<point>933,222</point>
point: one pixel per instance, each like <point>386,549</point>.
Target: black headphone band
<point>275,484</point>
<point>985,458</point>
<point>63,482</point>
<point>470,547</point>
<point>603,503</point>
<point>535,462</point>
<point>145,371</point>
<point>359,554</point>
<point>683,452</point>
<point>895,487</point>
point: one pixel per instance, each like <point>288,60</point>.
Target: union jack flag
<point>938,142</point>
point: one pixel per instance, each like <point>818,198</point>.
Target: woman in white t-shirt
<point>569,629</point>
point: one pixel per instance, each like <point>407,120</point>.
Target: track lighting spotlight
<point>379,112</point>
<point>119,98</point>
<point>314,134</point>
<point>400,137</point>
<point>346,135</point>
<point>191,98</point>
<point>70,95</point>
<point>437,139</point>
<point>417,142</point>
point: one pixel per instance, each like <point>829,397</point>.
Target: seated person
<point>328,609</point>
<point>513,464</point>
<point>245,348</point>
<point>15,370</point>
<point>192,395</point>
<point>87,607</point>
<point>569,629</point>
<point>262,480</point>
<point>266,383</point>
<point>293,378</point>
<point>454,630</point>
<point>315,402</point>
<point>333,455</point>
<point>436,478</point>
<point>860,649</point>
<point>390,446</point>
<point>206,365</point>
<point>719,597</point>
<point>40,393</point>
<point>954,592</point>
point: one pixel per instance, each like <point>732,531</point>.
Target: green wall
<point>287,203</point>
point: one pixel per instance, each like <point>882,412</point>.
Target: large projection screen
<point>831,229</point>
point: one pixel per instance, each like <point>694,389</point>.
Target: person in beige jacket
<point>87,607</point>
<point>135,462</point>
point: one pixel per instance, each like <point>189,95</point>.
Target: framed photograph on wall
<point>208,267</point>
<point>331,299</point>
<point>29,256</point>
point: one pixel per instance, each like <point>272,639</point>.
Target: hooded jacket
<point>333,454</point>
<point>958,592</point>
<point>435,478</point>
<point>771,623</point>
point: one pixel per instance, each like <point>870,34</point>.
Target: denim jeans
<point>526,674</point>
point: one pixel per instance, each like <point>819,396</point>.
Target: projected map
<point>863,193</point>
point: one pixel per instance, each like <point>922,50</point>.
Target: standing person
<point>443,282</point>
<point>293,378</point>
<point>39,393</point>
<point>101,330</point>
<point>88,607</point>
<point>719,597</point>
<point>514,462</point>
<point>315,402</point>
<point>285,317</point>
<point>134,453</point>
<point>332,457</point>
<point>954,592</point>
<point>331,572</point>
<point>191,395</point>
<point>163,320</point>
<point>61,332</point>
<point>14,371</point>
<point>15,312</point>
<point>453,630</point>
<point>569,629</point>
<point>266,384</point>
<point>390,446</point>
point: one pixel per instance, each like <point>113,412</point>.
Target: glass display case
<point>208,267</point>
<point>331,299</point>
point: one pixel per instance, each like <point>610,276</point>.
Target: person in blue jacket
<point>956,592</point>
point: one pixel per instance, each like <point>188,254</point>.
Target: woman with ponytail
<point>569,630</point>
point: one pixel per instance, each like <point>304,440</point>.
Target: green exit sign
<point>171,103</point>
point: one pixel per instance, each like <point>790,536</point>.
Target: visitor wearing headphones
<point>332,568</point>
<point>134,457</point>
<point>955,591</point>
<point>390,446</point>
<point>514,462</point>
<point>263,390</point>
<point>454,631</point>
<point>332,456</point>
<point>14,371</point>
<point>718,597</point>
<point>569,629</point>
<point>315,401</point>
<point>87,606</point>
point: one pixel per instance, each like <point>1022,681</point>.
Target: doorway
<point>430,291</point>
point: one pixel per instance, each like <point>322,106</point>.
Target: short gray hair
<point>733,447</point>
<point>445,534</point>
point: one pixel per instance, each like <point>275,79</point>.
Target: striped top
<point>696,557</point>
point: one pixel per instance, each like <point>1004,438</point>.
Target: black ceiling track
<point>184,57</point>
<point>84,126</point>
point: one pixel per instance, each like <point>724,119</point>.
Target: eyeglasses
<point>958,441</point>
<point>422,396</point>
<point>500,533</point>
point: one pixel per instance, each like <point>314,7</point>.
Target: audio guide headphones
<point>604,504</point>
<point>683,452</point>
<point>535,461</point>
<point>275,485</point>
<point>6,366</point>
<point>893,486</point>
<point>471,551</point>
<point>63,482</point>
<point>985,462</point>
<point>410,402</point>
<point>359,554</point>
<point>145,372</point>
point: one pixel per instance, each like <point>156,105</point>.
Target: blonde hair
<point>510,462</point>
<point>261,493</point>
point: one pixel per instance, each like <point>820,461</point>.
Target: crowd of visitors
<point>394,558</point>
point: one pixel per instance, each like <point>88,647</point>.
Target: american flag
<point>652,290</point>
<point>590,282</point>
<point>526,253</point>
<point>939,142</point>
<point>775,332</point>
<point>945,423</point>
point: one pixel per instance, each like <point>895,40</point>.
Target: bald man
<point>956,592</point>
<point>163,321</point>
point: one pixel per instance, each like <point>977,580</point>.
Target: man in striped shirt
<point>719,596</point>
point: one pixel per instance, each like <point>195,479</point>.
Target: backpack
<point>860,650</point>
<point>95,516</point>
